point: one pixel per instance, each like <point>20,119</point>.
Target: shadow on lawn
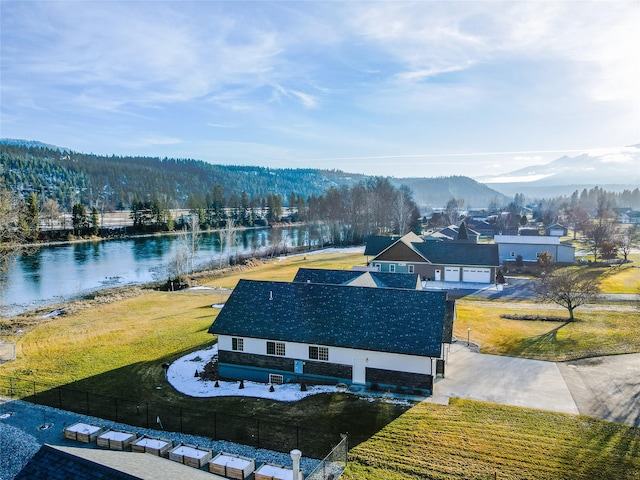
<point>533,347</point>
<point>139,395</point>
<point>604,450</point>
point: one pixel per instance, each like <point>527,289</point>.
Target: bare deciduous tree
<point>567,288</point>
<point>11,235</point>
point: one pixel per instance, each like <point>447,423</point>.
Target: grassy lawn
<point>476,440</point>
<point>598,330</point>
<point>620,279</point>
<point>285,269</point>
<point>117,349</point>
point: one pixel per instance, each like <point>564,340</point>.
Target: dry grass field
<point>598,330</point>
<point>475,440</point>
<point>116,346</point>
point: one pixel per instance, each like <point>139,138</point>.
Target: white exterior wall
<point>529,252</point>
<point>339,355</point>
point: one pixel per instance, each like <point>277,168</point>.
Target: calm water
<point>60,273</point>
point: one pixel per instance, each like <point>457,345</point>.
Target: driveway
<point>605,387</point>
<point>505,380</point>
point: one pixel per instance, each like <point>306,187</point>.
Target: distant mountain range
<point>613,170</point>
<point>31,166</point>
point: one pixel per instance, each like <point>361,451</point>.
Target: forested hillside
<point>115,182</point>
<point>71,177</point>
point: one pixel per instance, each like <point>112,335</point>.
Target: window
<point>237,344</point>
<point>319,353</point>
<point>410,268</point>
<point>392,268</point>
<point>513,254</point>
<point>275,348</point>
<point>275,379</point>
<point>377,266</point>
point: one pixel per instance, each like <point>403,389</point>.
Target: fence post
<point>35,393</point>
<point>60,397</point>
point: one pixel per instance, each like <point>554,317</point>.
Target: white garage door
<point>477,275</point>
<point>452,274</point>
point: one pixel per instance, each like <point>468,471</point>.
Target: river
<point>55,274</point>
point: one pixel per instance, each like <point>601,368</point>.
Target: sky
<point>405,89</point>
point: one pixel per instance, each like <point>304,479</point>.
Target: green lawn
<point>597,331</point>
<point>476,440</point>
<point>118,348</point>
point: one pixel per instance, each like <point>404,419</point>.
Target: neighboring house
<point>483,227</point>
<point>319,333</point>
<point>359,278</point>
<point>556,230</point>
<point>438,261</point>
<point>456,233</point>
<point>512,246</point>
<point>630,217</point>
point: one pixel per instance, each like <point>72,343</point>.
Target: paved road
<point>605,387</point>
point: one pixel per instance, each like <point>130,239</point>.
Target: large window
<point>410,268</point>
<point>319,353</point>
<point>392,268</point>
<point>237,344</point>
<point>275,348</point>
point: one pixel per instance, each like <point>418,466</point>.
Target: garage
<point>452,274</point>
<point>476,275</point>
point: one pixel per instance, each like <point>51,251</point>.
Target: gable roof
<point>375,245</point>
<point>451,253</point>
<point>357,278</point>
<point>377,319</point>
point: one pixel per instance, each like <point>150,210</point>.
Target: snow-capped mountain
<point>619,167</point>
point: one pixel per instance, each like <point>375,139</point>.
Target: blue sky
<point>387,88</point>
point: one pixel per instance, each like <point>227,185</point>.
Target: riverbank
<point>14,322</point>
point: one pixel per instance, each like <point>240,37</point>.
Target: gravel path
<point>24,427</point>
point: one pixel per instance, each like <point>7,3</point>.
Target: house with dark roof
<point>630,217</point>
<point>455,233</point>
<point>279,332</point>
<point>439,261</point>
<point>359,278</point>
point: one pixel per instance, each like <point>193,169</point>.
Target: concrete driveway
<point>604,387</point>
<point>505,380</point>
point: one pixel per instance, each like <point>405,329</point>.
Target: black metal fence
<point>251,431</point>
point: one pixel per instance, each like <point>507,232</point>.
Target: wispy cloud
<point>347,82</point>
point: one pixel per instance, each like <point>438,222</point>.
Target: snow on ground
<point>181,375</point>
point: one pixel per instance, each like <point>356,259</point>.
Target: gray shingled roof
<point>319,275</point>
<point>344,277</point>
<point>378,319</point>
<point>451,253</point>
<point>377,243</point>
<point>53,464</point>
<point>77,463</point>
